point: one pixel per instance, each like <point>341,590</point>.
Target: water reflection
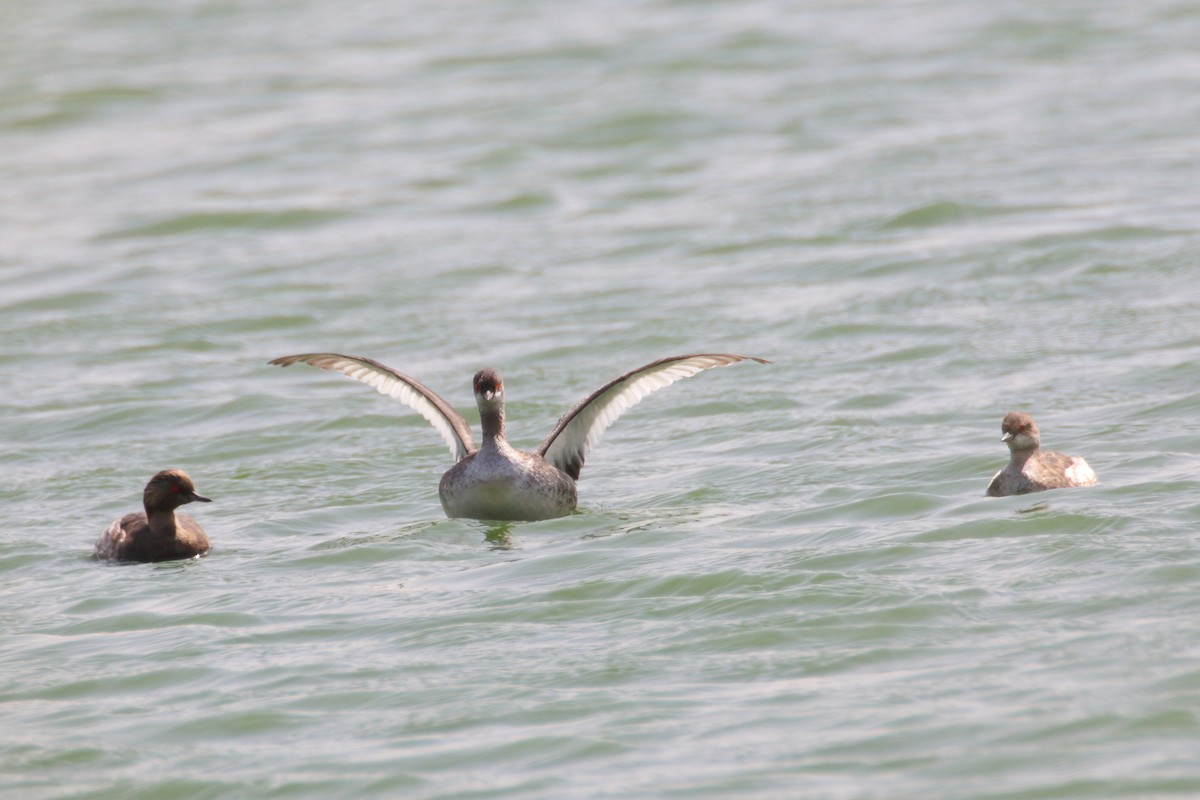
<point>498,536</point>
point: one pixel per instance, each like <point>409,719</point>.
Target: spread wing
<point>414,394</point>
<point>580,428</point>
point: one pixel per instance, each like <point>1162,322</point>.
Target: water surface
<point>783,581</point>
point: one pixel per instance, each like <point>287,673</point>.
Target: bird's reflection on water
<point>499,536</point>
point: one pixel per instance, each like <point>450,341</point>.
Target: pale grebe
<point>495,480</point>
<point>1031,469</point>
<point>158,534</point>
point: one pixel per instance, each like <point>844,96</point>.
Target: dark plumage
<point>158,533</point>
<point>1031,469</point>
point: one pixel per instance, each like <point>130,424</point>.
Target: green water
<point>783,581</point>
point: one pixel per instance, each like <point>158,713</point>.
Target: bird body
<point>499,482</point>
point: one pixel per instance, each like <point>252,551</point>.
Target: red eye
<point>175,488</point>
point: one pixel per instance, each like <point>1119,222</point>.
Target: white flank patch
<point>1080,473</point>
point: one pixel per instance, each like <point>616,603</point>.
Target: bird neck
<point>1019,457</point>
<point>491,418</point>
<point>161,521</point>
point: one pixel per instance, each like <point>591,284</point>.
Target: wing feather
<point>414,394</point>
<point>580,428</point>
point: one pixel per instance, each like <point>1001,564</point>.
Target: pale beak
<point>1006,437</point>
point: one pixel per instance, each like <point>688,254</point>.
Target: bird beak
<point>201,498</point>
<point>1006,437</point>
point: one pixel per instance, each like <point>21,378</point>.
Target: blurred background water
<point>784,580</point>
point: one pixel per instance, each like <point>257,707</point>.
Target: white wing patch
<point>581,428</point>
<point>441,415</point>
<point>1080,472</point>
